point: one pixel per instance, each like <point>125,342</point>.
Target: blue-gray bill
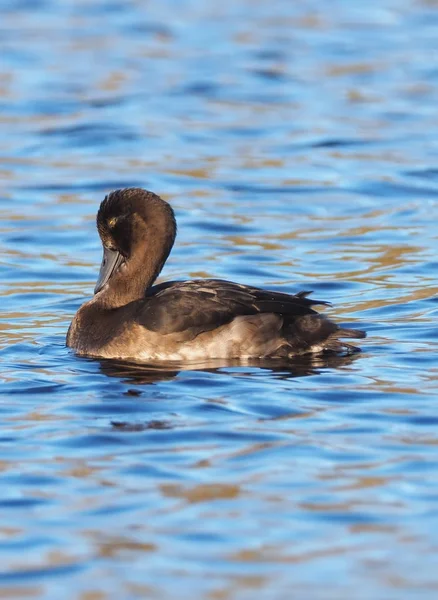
<point>111,261</point>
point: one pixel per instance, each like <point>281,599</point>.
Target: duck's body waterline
<point>184,321</point>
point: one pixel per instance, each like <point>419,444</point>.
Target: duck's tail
<point>335,343</point>
<point>315,334</point>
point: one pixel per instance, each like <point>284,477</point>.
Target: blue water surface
<point>297,142</point>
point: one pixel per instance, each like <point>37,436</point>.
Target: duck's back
<point>211,318</point>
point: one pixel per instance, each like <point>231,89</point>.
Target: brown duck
<point>130,318</point>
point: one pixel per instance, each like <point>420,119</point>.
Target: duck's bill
<point>110,263</point>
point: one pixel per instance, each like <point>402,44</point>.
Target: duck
<point>130,318</point>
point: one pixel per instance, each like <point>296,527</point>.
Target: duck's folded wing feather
<point>202,305</point>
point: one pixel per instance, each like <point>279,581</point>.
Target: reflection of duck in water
<point>128,318</point>
<point>140,373</point>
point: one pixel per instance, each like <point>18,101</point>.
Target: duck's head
<point>137,229</point>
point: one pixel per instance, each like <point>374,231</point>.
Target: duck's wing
<point>202,305</point>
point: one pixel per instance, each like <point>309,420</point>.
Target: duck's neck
<point>139,272</point>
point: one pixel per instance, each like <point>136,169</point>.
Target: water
<point>297,143</point>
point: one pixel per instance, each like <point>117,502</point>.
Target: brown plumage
<point>129,318</point>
